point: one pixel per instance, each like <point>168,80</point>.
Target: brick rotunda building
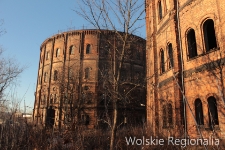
<point>185,67</point>
<point>76,75</point>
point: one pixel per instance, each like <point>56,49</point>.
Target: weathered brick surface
<point>199,82</point>
<point>97,61</point>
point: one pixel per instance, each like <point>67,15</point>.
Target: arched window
<point>47,55</point>
<point>162,61</point>
<point>209,35</point>
<point>160,10</point>
<point>191,40</point>
<point>164,115</point>
<point>88,49</point>
<point>71,50</point>
<point>55,75</point>
<point>170,114</point>
<point>45,76</point>
<point>212,112</point>
<point>170,53</point>
<point>87,73</point>
<point>57,52</point>
<point>199,112</point>
<point>51,99</point>
<point>55,98</point>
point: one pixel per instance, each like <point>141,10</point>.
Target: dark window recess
<point>47,55</point>
<point>85,119</point>
<point>192,47</point>
<point>71,50</point>
<point>170,114</point>
<point>87,73</point>
<point>212,112</point>
<point>57,52</point>
<point>55,75</point>
<point>88,49</point>
<point>160,10</point>
<point>162,65</point>
<point>170,52</point>
<point>199,112</point>
<point>167,114</point>
<point>209,35</point>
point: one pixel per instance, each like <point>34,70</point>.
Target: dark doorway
<point>50,120</point>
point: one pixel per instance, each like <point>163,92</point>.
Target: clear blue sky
<point>28,23</point>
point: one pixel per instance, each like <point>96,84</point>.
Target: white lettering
<point>170,140</point>
<point>130,140</point>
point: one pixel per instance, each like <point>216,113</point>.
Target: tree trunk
<point>114,127</point>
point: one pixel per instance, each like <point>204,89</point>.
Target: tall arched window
<point>170,53</point>
<point>47,55</point>
<point>71,50</point>
<point>191,40</point>
<point>51,99</point>
<point>55,75</point>
<point>170,114</point>
<point>45,76</point>
<point>160,10</point>
<point>209,35</point>
<point>212,112</point>
<point>88,49</point>
<point>199,112</point>
<point>57,53</point>
<point>162,61</point>
<point>87,73</point>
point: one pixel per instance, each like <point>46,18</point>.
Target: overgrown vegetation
<point>27,136</point>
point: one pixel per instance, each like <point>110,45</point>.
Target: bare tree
<point>117,16</point>
<point>9,103</point>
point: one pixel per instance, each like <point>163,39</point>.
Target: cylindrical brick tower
<point>73,68</point>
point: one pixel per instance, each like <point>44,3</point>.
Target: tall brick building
<point>185,67</point>
<point>74,77</point>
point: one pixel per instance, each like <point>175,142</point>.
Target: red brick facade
<point>185,63</point>
<point>71,71</point>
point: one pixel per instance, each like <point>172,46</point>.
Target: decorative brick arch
<point>212,94</point>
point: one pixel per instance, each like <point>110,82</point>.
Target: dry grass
<point>29,137</point>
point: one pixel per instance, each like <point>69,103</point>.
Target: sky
<point>27,24</point>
